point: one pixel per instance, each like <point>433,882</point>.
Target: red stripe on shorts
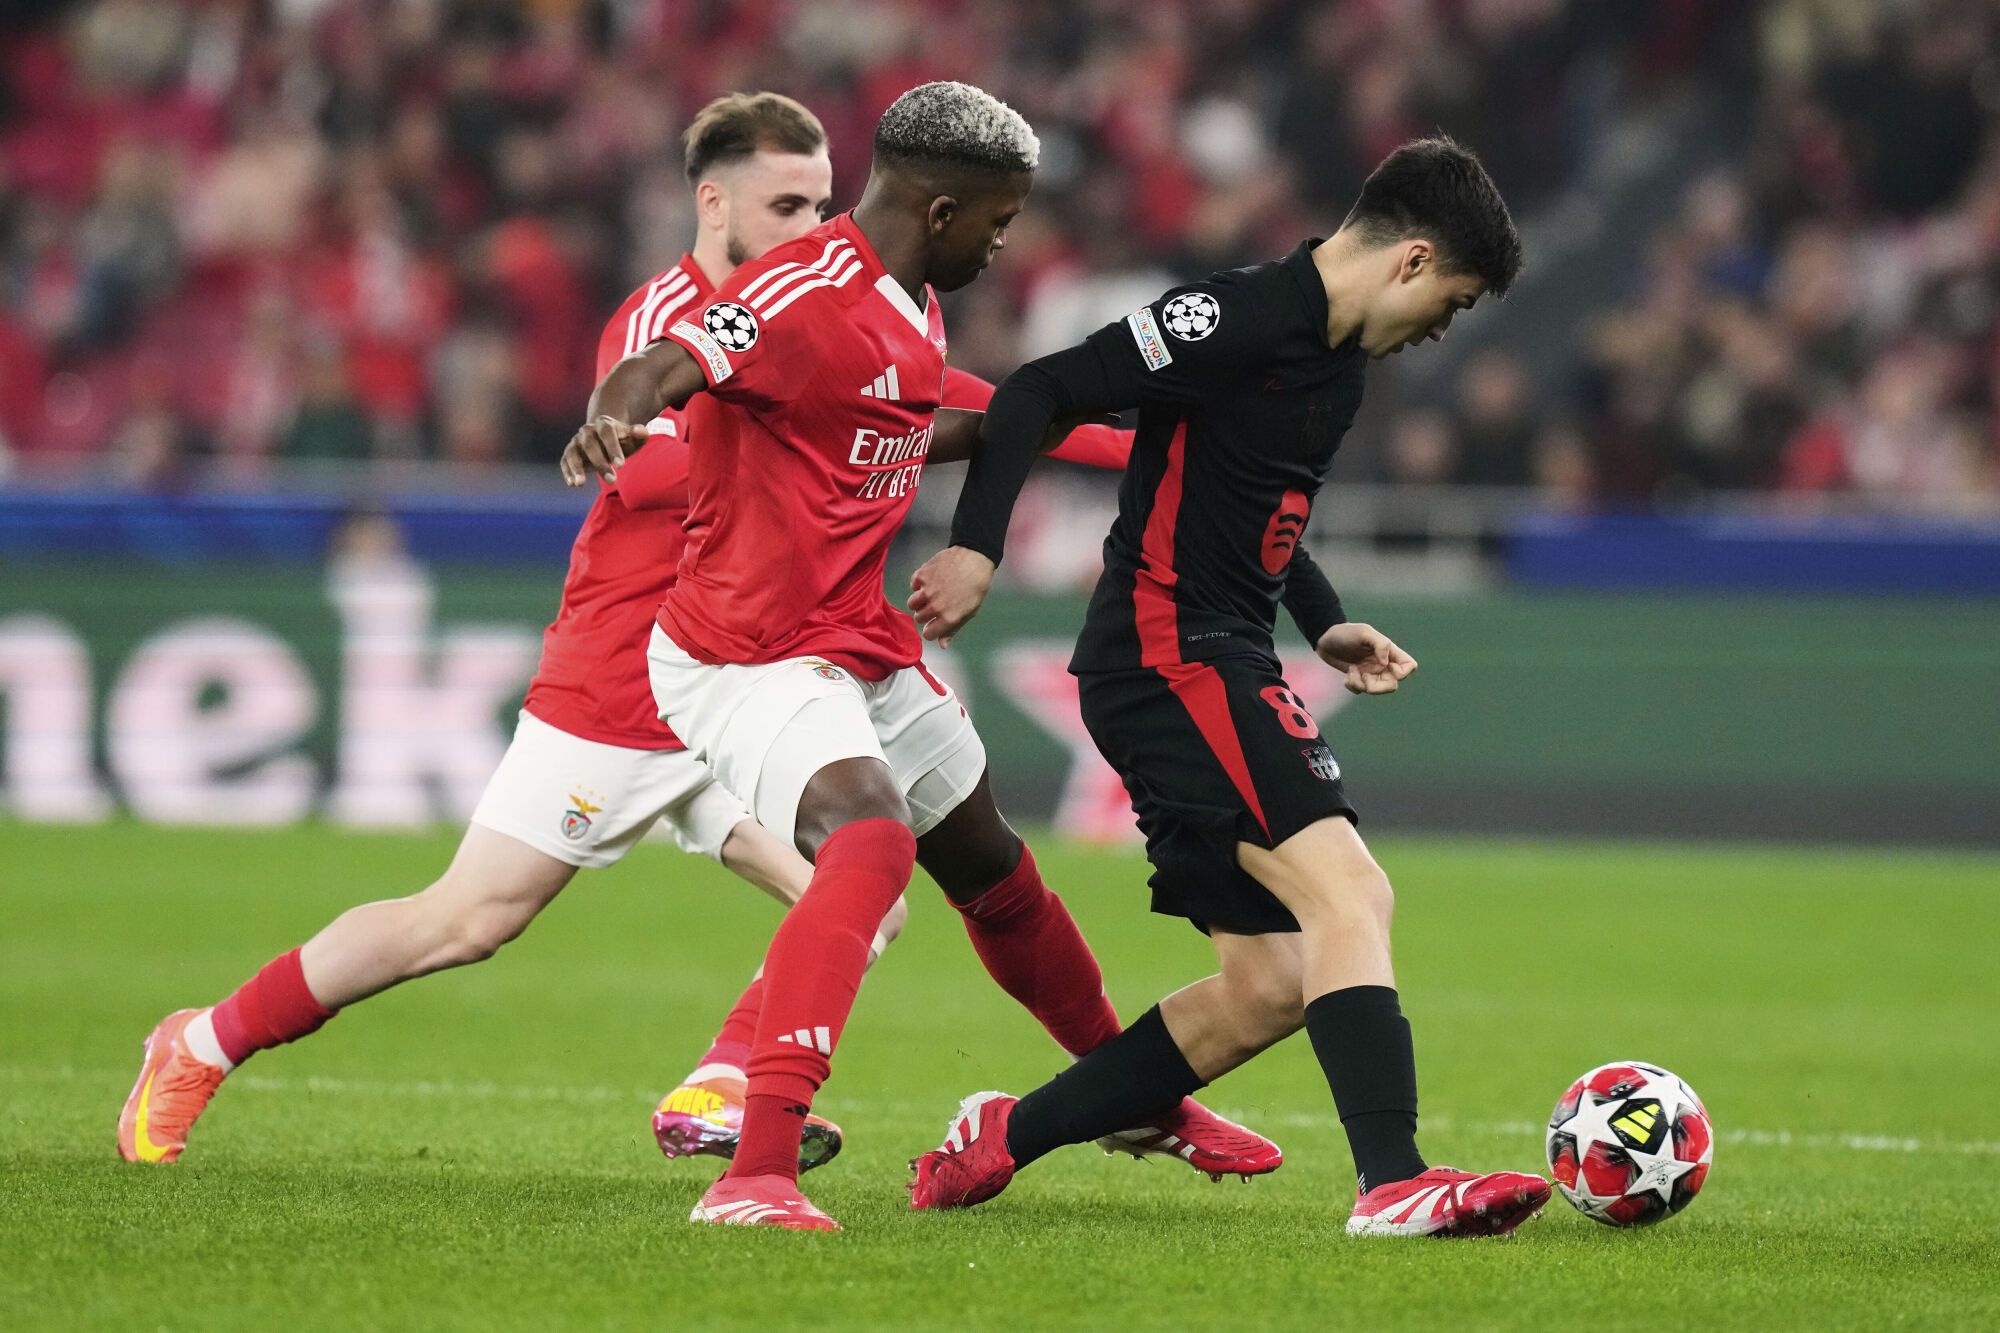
<point>1197,685</point>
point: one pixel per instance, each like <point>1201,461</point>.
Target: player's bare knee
<point>1343,899</point>
<point>972,849</point>
<point>1272,1007</point>
<point>1266,986</point>
<point>843,793</point>
<point>479,932</point>
<point>1368,891</point>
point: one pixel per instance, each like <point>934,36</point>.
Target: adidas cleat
<point>972,1164</point>
<point>1201,1138</point>
<point>1447,1202</point>
<point>760,1201</point>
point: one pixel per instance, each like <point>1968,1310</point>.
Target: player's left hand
<point>1371,660</point>
<point>947,591</point>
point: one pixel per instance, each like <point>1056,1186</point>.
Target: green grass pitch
<point>473,1150</point>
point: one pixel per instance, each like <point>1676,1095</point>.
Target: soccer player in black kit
<point>1244,384</point>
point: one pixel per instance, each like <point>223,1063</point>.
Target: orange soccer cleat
<point>706,1118</point>
<point>172,1092</point>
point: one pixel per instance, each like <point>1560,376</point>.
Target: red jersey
<point>824,382</point>
<point>592,679</point>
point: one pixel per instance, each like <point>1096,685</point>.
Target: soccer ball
<point>1630,1144</point>
<point>1192,316</point>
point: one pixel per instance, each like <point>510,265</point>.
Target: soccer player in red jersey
<point>779,659</point>
<point>591,767</point>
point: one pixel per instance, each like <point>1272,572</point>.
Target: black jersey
<point>1241,407</point>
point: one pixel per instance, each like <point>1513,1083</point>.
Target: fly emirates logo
<point>893,462</point>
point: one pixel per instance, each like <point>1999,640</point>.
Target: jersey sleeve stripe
<point>838,280</point>
<point>663,286</point>
<point>797,275</point>
<point>762,302</point>
<point>749,294</point>
<point>642,318</point>
<point>666,312</point>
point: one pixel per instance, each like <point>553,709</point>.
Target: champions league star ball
<point>1630,1144</point>
<point>1191,316</point>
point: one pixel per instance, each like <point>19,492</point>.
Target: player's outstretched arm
<point>1090,438</point>
<point>634,391</point>
<point>946,592</point>
<point>955,436</point>
<point>956,439</point>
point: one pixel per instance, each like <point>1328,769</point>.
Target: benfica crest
<point>576,819</point>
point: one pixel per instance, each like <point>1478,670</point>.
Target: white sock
<point>199,1035</point>
<point>703,1073</point>
<point>876,949</point>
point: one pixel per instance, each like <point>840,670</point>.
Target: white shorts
<point>765,730</point>
<point>587,804</point>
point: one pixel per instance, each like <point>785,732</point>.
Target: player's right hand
<point>599,446</point>
<point>1370,659</point>
<point>947,590</point>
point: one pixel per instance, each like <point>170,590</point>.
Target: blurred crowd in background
<point>241,233</point>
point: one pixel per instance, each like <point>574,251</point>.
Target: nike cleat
<point>760,1201</point>
<point>1201,1138</point>
<point>1444,1201</point>
<point>706,1119</point>
<point>972,1164</point>
<point>172,1092</point>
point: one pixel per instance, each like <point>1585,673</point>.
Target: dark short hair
<point>1435,188</point>
<point>735,127</point>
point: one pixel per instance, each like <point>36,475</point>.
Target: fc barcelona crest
<point>1321,761</point>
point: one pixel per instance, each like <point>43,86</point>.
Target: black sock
<point>1363,1044</point>
<point>1136,1073</point>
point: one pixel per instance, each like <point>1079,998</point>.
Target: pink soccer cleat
<point>1201,1138</point>
<point>972,1164</point>
<point>1444,1201</point>
<point>706,1119</point>
<point>760,1201</point>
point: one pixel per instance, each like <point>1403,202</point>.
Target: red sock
<point>811,973</point>
<point>1031,946</point>
<point>732,1044</point>
<point>270,1009</point>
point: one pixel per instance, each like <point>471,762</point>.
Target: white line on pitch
<point>444,1089</point>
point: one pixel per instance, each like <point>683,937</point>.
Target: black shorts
<point>1214,754</point>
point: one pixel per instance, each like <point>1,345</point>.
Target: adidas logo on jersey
<point>815,1039</point>
<point>884,387</point>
